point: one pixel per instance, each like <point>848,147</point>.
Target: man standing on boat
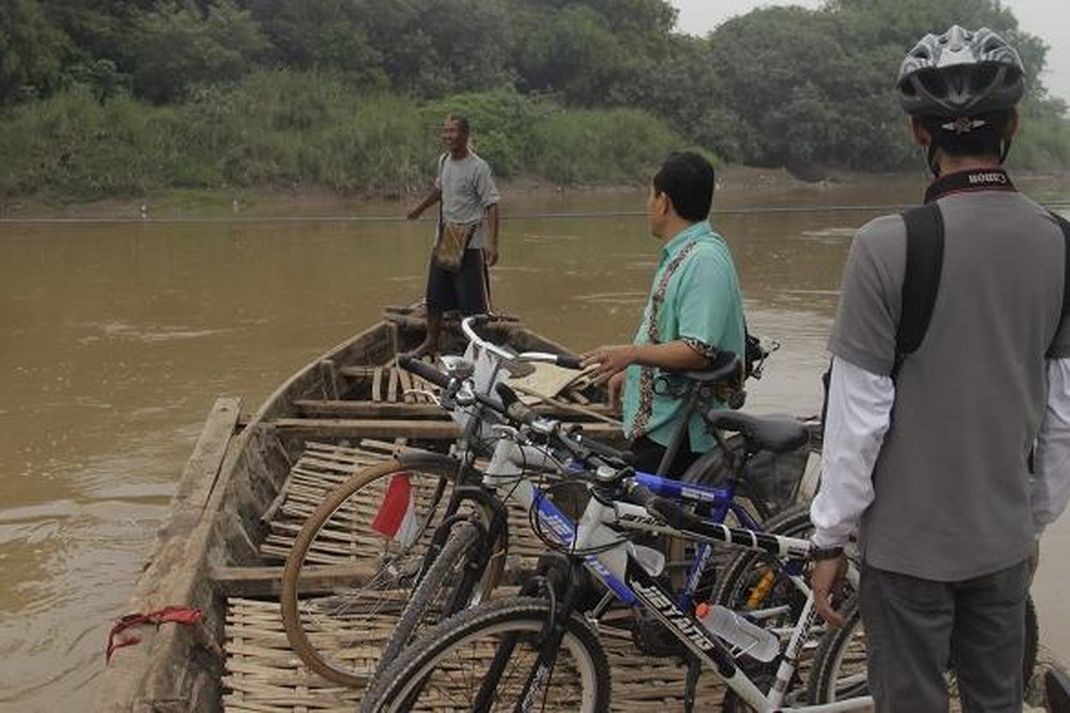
<point>948,455</point>
<point>694,311</point>
<point>467,236</point>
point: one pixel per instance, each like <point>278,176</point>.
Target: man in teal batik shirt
<point>694,311</point>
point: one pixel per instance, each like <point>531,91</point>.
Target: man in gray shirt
<point>948,461</point>
<point>469,217</point>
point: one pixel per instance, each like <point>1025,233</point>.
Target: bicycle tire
<point>736,585</point>
<point>521,617</point>
<point>326,632</point>
<point>834,649</point>
<point>462,544</point>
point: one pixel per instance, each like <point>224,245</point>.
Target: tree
<point>176,46</point>
<point>32,51</point>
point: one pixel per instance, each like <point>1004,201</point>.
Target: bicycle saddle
<point>725,365</point>
<point>773,433</point>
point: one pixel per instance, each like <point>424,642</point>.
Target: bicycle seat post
<point>680,432</point>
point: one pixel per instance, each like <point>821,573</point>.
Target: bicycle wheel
<point>754,582</point>
<point>443,590</point>
<point>377,526</point>
<point>839,670</point>
<point>491,650</point>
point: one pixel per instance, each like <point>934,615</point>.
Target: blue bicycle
<point>538,652</point>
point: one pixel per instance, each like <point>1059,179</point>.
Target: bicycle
<point>366,525</point>
<point>549,626</point>
<point>457,557</point>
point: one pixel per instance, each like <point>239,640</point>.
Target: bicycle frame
<point>506,471</point>
<point>626,573</point>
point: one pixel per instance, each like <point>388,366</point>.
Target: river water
<point>115,338</point>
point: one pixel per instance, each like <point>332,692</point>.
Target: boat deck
<point>262,673</point>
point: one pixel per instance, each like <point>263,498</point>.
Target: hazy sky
<point>1048,19</point>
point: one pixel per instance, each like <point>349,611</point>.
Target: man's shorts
<point>467,290</point>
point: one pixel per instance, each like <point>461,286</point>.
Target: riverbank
<point>736,186</point>
<point>319,201</point>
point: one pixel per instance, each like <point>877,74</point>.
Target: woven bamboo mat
<point>323,467</point>
<point>264,676</point>
<point>320,469</point>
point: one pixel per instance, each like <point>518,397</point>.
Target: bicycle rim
<point>380,549</point>
<point>450,673</point>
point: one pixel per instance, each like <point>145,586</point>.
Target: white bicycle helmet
<point>961,74</point>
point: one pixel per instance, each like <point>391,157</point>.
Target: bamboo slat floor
<point>264,675</point>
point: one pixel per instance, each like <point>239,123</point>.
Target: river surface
<point>115,338</point>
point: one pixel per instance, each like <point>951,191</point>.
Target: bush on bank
<point>297,129</point>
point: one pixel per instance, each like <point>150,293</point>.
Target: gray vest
<point>952,480</point>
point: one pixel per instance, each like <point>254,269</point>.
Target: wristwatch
<point>825,553</point>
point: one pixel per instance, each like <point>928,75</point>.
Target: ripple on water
<point>142,333</point>
<point>613,298</point>
<point>70,588</point>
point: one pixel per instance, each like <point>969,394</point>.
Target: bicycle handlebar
<point>424,371</point>
<point>569,361</point>
<point>601,449</point>
<point>663,508</point>
<point>516,409</point>
<point>468,325</point>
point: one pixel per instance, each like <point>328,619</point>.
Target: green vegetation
<point>128,97</point>
<point>289,129</point>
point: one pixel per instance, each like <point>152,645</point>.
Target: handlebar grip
<point>640,495</point>
<point>601,449</point>
<point>663,508</point>
<point>569,361</point>
<point>514,407</point>
<point>424,371</point>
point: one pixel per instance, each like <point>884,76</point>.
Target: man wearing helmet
<point>948,459</point>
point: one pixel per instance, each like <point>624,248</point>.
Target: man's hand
<point>826,579</point>
<point>490,256</point>
<point>608,361</point>
<point>615,387</point>
<point>415,212</point>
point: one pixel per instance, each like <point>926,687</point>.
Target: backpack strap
<point>921,281</point>
<point>1065,225</point>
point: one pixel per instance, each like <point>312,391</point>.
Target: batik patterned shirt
<point>695,298</point>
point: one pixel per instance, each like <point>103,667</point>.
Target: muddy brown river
<point>116,337</point>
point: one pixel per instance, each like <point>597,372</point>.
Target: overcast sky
<point>1048,19</point>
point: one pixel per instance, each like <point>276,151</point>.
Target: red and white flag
<point>396,518</point>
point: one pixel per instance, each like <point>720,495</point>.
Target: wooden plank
<point>398,428</point>
<point>345,408</point>
<point>405,385</point>
<point>368,409</point>
<point>366,428</point>
<point>329,374</point>
<point>572,408</point>
<point>145,672</point>
<point>358,372</point>
<point>392,385</point>
<point>267,581</point>
<point>377,379</point>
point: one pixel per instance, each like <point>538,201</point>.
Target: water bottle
<point>742,634</point>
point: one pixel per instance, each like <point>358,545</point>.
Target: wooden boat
<point>234,513</point>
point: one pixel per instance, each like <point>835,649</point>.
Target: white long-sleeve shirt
<point>857,419</point>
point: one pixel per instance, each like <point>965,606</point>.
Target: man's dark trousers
<point>916,627</point>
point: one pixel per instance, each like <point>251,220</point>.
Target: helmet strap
<point>930,159</point>
<point>1004,150</point>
